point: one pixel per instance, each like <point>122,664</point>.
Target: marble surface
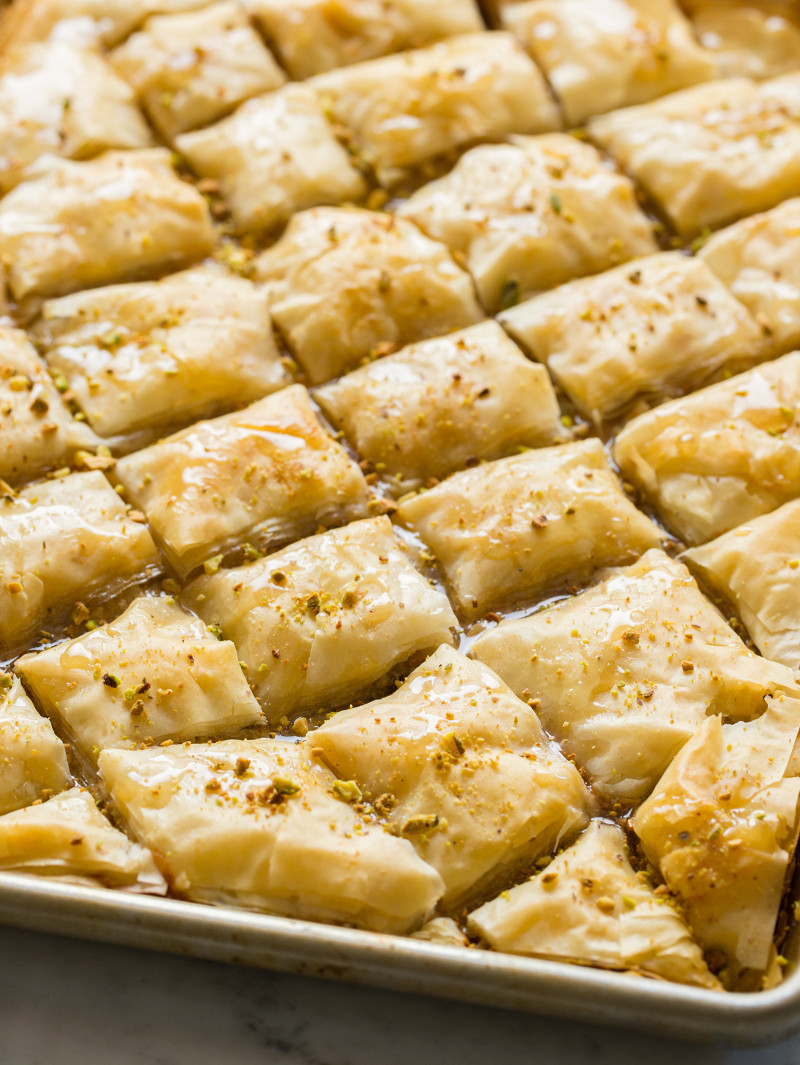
<point>69,1002</point>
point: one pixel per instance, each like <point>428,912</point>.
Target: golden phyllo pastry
<point>589,906</point>
<point>261,824</point>
<point>33,760</point>
<point>460,767</point>
<point>751,38</point>
<point>320,622</point>
<point>155,673</point>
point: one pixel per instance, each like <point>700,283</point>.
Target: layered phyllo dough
<point>154,355</point>
<point>756,567</point>
<point>346,285</point>
<point>460,767</point>
<point>443,404</point>
<point>118,217</point>
<point>33,760</point>
<point>38,432</point>
<point>320,622</point>
<point>591,907</point>
<point>192,68</point>
<point>408,111</point>
<point>645,330</point>
<point>62,541</point>
<point>56,98</point>
<point>757,259</point>
<point>712,154</point>
<point>155,673</point>
<point>749,38</point>
<point>721,827</point>
<point>276,155</point>
<point>266,475</point>
<point>603,54</point>
<point>721,456</point>
<point>312,36</point>
<point>67,837</point>
<point>523,526</point>
<point>532,214</point>
<point>626,672</point>
<point>262,824</point>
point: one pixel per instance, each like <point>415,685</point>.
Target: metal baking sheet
<point>400,964</point>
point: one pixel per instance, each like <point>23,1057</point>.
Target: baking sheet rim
<point>546,987</point>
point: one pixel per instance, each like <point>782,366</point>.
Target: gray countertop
<point>69,1002</point>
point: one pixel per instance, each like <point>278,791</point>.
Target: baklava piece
<point>531,215</point>
<point>61,99</point>
<point>405,112</point>
<point>312,36</point>
<point>261,824</point>
<point>646,330</point>
<point>589,906</point>
<point>64,541</point>
<point>121,216</point>
<point>757,568</point>
<point>33,760</point>
<point>320,622</point>
<point>721,828</point>
<point>523,526</point>
<point>276,155</point>
<point>38,432</point>
<point>443,404</point>
<point>463,769</point>
<point>721,456</point>
<point>748,38</point>
<point>626,672</point>
<point>712,154</point>
<point>155,673</point>
<point>268,474</point>
<point>347,285</point>
<point>602,54</point>
<point>157,355</point>
<point>68,838</point>
<point>759,260</point>
<point>191,69</point>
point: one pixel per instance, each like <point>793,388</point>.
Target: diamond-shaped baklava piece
<point>648,329</point>
<point>759,260</point>
<point>58,98</point>
<point>757,568</point>
<point>67,837</point>
<point>155,673</point>
<point>311,36</point>
<point>318,623</point>
<point>33,760</point>
<point>462,768</point>
<point>157,355</point>
<point>749,38</point>
<point>721,827</point>
<point>532,214</point>
<point>711,154</point>
<point>721,456</point>
<point>268,474</point>
<point>261,824</point>
<point>118,217</point>
<point>193,68</point>
<point>602,54</point>
<point>589,906</point>
<point>276,155</point>
<point>411,110</point>
<point>442,404</point>
<point>345,285</point>
<point>38,432</point>
<point>62,541</point>
<point>626,672</point>
<point>520,527</point>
